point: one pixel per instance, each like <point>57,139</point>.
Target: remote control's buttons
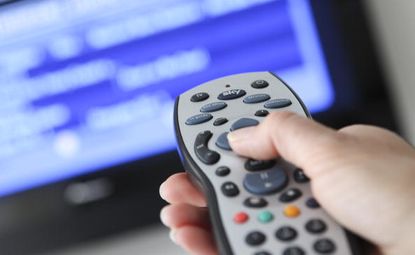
<point>300,177</point>
<point>202,151</point>
<point>198,119</point>
<point>213,107</point>
<point>312,203</point>
<point>277,103</point>
<point>324,246</point>
<point>243,123</point>
<point>265,183</point>
<point>257,98</point>
<point>220,121</point>
<point>258,165</point>
<point>292,211</point>
<point>240,217</point>
<point>265,217</point>
<point>286,233</point>
<point>259,84</point>
<point>222,142</point>
<point>290,195</point>
<point>230,189</point>
<point>222,171</point>
<point>231,94</point>
<point>262,253</point>
<point>315,226</point>
<point>198,97</point>
<point>255,202</point>
<point>261,113</point>
<point>294,251</point>
<point>255,238</point>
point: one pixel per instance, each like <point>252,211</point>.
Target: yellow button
<point>292,211</point>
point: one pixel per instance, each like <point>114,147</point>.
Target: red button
<point>240,217</point>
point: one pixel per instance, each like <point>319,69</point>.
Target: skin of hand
<point>363,176</point>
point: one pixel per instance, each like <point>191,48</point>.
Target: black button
<point>222,171</point>
<point>198,97</point>
<point>243,123</point>
<point>213,107</point>
<point>231,94</point>
<point>255,202</point>
<point>277,103</point>
<point>198,119</point>
<point>294,251</point>
<point>264,183</point>
<point>255,238</point>
<point>286,233</point>
<point>261,113</point>
<point>259,84</point>
<point>202,151</point>
<point>257,98</point>
<point>262,253</point>
<point>222,142</point>
<point>220,121</point>
<point>230,189</point>
<point>324,246</point>
<point>312,203</point>
<point>315,226</point>
<point>300,177</point>
<point>290,195</point>
<point>258,165</point>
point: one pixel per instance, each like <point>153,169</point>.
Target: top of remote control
<point>256,207</point>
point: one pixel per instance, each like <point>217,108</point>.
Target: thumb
<point>297,139</point>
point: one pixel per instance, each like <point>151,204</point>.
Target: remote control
<point>256,207</point>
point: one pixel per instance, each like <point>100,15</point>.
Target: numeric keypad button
<point>294,251</point>
<point>315,226</point>
<point>286,234</point>
<point>255,238</point>
<point>324,246</point>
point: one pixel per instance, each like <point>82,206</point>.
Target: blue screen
<point>86,85</point>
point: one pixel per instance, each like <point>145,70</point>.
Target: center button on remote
<point>267,182</point>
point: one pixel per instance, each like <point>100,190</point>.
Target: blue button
<point>213,107</point>
<point>198,119</point>
<point>257,98</point>
<point>277,103</point>
<point>243,123</point>
<point>222,142</point>
<point>267,182</point>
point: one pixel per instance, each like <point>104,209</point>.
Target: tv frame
<point>41,219</point>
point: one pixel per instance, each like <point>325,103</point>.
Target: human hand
<point>361,175</point>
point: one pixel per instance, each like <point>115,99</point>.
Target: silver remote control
<point>257,207</point>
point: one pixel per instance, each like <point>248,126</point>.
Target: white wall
<point>394,23</point>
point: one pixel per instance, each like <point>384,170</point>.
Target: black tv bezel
<point>40,219</point>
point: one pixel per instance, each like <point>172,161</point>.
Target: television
<point>87,91</point>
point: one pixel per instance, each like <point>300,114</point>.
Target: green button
<point>265,217</point>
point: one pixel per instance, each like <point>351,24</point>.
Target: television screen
<point>86,85</point>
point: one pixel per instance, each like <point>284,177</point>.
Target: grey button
<point>232,94</point>
<point>198,119</point>
<point>244,122</point>
<point>277,103</point>
<point>257,98</point>
<point>267,182</point>
<point>213,107</point>
<point>222,142</point>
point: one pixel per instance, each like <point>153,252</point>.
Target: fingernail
<point>172,235</point>
<point>163,216</point>
<point>240,134</point>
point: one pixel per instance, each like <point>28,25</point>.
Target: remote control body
<point>256,207</point>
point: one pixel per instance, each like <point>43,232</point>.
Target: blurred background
<point>87,91</point>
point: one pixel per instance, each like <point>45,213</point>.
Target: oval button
<point>277,103</point>
<point>198,119</point>
<point>257,98</point>
<point>213,107</point>
<point>231,94</point>
<point>267,182</point>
